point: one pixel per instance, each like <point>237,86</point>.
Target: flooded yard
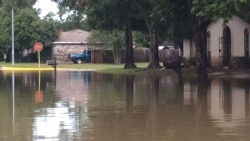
<point>91,106</point>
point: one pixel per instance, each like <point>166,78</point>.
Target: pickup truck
<point>78,58</point>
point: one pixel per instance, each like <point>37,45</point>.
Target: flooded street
<point>90,106</point>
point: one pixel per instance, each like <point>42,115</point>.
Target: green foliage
<point>72,14</point>
<point>171,19</point>
<point>28,28</point>
<point>244,11</point>
<point>106,14</point>
<point>139,39</point>
<point>24,3</point>
<point>70,24</point>
<point>214,9</point>
<point>26,22</point>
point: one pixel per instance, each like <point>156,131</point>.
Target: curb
<point>42,69</point>
<point>25,69</point>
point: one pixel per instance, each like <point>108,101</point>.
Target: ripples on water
<point>88,106</point>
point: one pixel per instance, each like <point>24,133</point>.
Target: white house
<point>225,42</point>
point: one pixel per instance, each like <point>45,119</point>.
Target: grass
<point>106,68</point>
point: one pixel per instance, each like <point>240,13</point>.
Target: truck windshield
<point>86,52</point>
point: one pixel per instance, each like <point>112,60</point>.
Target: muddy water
<point>87,106</point>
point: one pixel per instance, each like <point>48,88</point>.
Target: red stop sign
<point>38,46</point>
<point>39,96</point>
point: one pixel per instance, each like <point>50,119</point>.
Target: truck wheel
<point>79,61</point>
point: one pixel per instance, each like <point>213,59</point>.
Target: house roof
<point>73,36</point>
<point>168,43</point>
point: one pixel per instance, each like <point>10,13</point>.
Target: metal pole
<point>39,62</point>
<point>12,52</point>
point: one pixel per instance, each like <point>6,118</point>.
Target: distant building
<point>74,41</point>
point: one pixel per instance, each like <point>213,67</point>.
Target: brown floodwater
<point>90,106</point>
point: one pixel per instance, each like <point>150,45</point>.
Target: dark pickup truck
<point>78,58</point>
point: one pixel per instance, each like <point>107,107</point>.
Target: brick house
<point>74,41</point>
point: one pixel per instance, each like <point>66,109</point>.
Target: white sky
<point>46,6</point>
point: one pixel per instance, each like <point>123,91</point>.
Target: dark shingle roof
<point>73,36</point>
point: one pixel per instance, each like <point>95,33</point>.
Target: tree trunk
<point>200,40</point>
<point>129,57</point>
<point>154,55</point>
<point>117,54</point>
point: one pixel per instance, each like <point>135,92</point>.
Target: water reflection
<point>229,105</point>
<point>93,106</point>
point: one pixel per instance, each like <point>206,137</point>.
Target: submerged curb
<point>23,69</point>
<point>42,69</point>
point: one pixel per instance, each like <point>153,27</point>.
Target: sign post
<point>38,46</point>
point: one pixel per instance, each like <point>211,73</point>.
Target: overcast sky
<point>46,6</point>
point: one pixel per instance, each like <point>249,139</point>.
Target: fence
<point>143,55</point>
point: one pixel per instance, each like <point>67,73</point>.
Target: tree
<point>177,23</point>
<point>72,17</point>
<point>113,14</point>
<point>151,15</point>
<point>164,19</point>
<point>29,28</point>
<point>129,59</point>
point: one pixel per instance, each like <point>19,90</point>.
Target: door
<point>226,47</point>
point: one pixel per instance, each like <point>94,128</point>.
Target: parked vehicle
<point>78,58</point>
<point>172,59</point>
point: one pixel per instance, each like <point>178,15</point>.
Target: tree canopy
<point>214,9</point>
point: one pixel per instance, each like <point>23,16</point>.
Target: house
<point>74,41</point>
<point>227,44</point>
